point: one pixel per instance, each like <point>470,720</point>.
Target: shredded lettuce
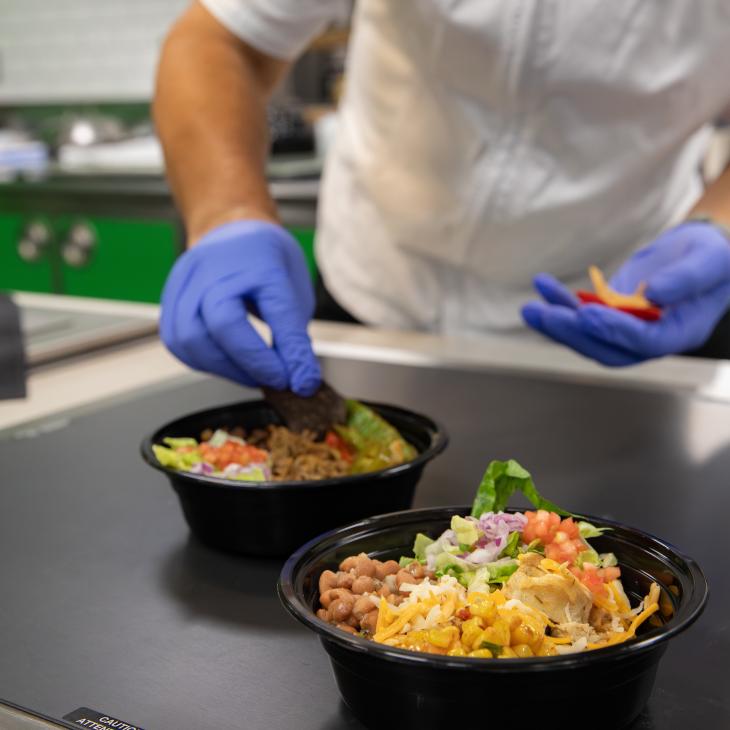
<point>535,546</point>
<point>466,531</point>
<point>464,577</point>
<point>175,459</point>
<point>588,556</point>
<point>608,560</point>
<point>588,530</point>
<point>500,481</point>
<point>376,443</point>
<point>220,437</point>
<point>176,443</point>
<point>511,548</point>
<point>420,544</point>
<point>499,573</point>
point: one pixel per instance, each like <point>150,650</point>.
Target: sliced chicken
<point>559,595</point>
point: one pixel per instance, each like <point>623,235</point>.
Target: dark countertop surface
<point>107,602</point>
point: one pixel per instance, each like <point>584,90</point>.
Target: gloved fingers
<point>681,327</point>
<point>184,333</point>
<point>646,339</point>
<point>198,350</point>
<point>287,316</point>
<point>554,292</point>
<point>643,263</point>
<point>561,324</point>
<point>172,293</point>
<point>226,320</point>
<point>699,269</point>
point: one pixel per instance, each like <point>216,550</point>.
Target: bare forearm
<point>210,115</point>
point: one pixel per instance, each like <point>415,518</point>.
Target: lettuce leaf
<point>420,544</point>
<point>377,444</point>
<point>176,443</point>
<point>500,481</point>
<point>511,548</point>
<point>174,459</point>
<point>587,530</point>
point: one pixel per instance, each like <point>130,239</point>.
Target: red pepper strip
<point>335,441</point>
<point>650,314</point>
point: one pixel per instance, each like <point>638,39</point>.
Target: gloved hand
<point>687,272</point>
<point>241,266</point>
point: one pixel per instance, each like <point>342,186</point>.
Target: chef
<point>479,142</point>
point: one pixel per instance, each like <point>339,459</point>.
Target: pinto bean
<point>362,606</point>
<point>327,580</point>
<point>348,563</point>
<point>363,584</point>
<point>384,590</point>
<point>370,621</point>
<point>404,576</point>
<point>322,613</point>
<point>415,569</point>
<point>340,610</point>
<point>364,566</point>
<point>344,580</point>
<point>391,567</point>
<point>379,569</point>
<point>352,621</point>
<point>335,594</point>
<point>348,628</point>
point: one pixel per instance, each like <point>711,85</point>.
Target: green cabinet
<point>108,237</point>
<point>119,259</point>
<point>128,259</point>
<point>17,273</point>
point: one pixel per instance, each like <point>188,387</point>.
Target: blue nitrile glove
<point>237,267</point>
<point>687,272</point>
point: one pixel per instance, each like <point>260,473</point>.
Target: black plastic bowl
<point>605,688</point>
<point>274,518</point>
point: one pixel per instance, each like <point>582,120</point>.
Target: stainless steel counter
<point>108,603</point>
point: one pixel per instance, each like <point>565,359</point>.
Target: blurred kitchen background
<point>85,211</point>
<point>84,207</point>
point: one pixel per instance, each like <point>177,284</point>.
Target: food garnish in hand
<point>636,304</point>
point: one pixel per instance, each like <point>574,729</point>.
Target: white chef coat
<point>483,141</point>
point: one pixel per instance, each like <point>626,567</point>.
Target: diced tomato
<point>464,613</point>
<point>561,539</point>
<point>232,452</point>
<point>541,525</point>
<point>335,441</point>
<point>609,574</point>
<point>595,578</point>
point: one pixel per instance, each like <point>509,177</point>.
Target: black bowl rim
<point>327,632</point>
<point>439,441</point>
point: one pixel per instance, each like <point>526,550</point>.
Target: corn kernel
<point>471,630</point>
<point>481,653</point>
<point>546,649</point>
<point>456,650</point>
<point>522,650</point>
<point>443,637</point>
<point>485,610</point>
<point>507,653</point>
<point>500,632</point>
